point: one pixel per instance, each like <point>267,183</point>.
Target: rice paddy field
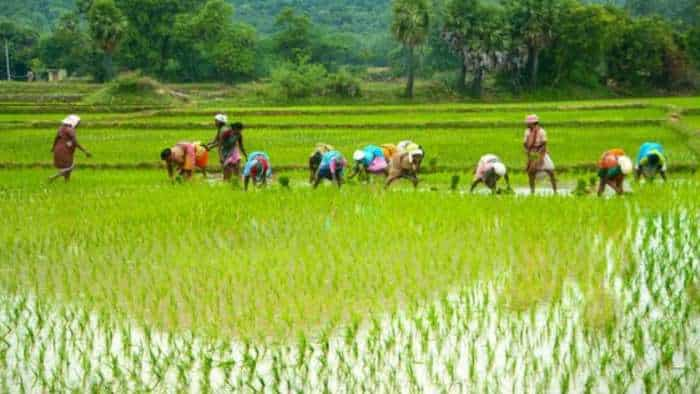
<point>121,281</point>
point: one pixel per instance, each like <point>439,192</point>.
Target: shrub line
<point>417,125</point>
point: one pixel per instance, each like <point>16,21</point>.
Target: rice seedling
<point>120,281</point>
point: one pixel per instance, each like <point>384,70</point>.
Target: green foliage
<point>410,26</point>
<point>454,182</point>
<point>209,45</point>
<point>284,182</point>
<point>68,47</point>
<point>343,84</point>
<point>21,42</point>
<point>149,44</point>
<point>293,37</point>
<point>298,80</point>
<point>474,31</point>
<point>132,89</point>
<point>693,46</point>
<point>532,47</point>
<point>107,26</point>
<point>39,14</point>
<point>583,36</point>
<point>644,53</point>
<point>304,79</point>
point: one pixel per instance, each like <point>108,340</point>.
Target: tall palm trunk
<point>477,82</point>
<point>411,71</point>
<point>533,60</point>
<point>108,66</point>
<point>462,78</point>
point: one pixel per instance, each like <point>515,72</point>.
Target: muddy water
<point>466,342</point>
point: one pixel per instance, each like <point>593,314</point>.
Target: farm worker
<point>258,168</point>
<point>229,140</point>
<point>331,167</point>
<point>538,160</point>
<point>316,157</point>
<point>613,166</point>
<point>369,159</point>
<point>405,165</point>
<point>186,156</point>
<point>650,160</point>
<point>489,170</point>
<point>389,150</point>
<point>406,145</point>
<point>64,146</point>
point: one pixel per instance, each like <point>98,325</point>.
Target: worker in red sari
<point>64,146</point>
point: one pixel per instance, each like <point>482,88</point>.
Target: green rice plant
<point>374,300</point>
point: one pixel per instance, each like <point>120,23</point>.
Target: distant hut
<point>56,74</point>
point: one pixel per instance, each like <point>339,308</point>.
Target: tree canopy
<point>497,45</point>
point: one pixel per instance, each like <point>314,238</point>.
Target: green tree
<point>644,54</point>
<point>693,46</point>
<point>149,43</point>
<point>106,24</point>
<point>67,47</point>
<point>474,32</point>
<point>21,45</point>
<point>293,37</point>
<point>532,25</point>
<point>410,26</point>
<point>234,56</point>
<point>582,38</point>
<point>210,46</point>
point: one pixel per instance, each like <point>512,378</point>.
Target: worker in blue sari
<point>258,169</point>
<point>370,159</point>
<point>332,167</point>
<point>651,160</point>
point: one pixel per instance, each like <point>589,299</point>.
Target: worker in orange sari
<point>389,150</point>
<point>186,157</point>
<point>613,166</point>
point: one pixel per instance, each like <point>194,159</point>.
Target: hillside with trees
<point>310,47</point>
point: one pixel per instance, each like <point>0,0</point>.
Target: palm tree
<point>107,27</point>
<point>410,26</point>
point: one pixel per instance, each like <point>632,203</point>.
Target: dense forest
<point>312,46</point>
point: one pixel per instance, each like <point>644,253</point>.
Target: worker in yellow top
<point>389,150</point>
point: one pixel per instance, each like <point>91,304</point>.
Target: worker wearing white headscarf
<point>64,146</point>
<point>613,167</point>
<point>229,140</point>
<point>489,170</point>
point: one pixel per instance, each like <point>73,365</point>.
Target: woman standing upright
<point>64,146</point>
<point>229,140</point>
<point>538,160</point>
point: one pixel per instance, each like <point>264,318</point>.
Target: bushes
<point>303,79</point>
<point>343,84</point>
<point>646,53</point>
<point>132,88</point>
